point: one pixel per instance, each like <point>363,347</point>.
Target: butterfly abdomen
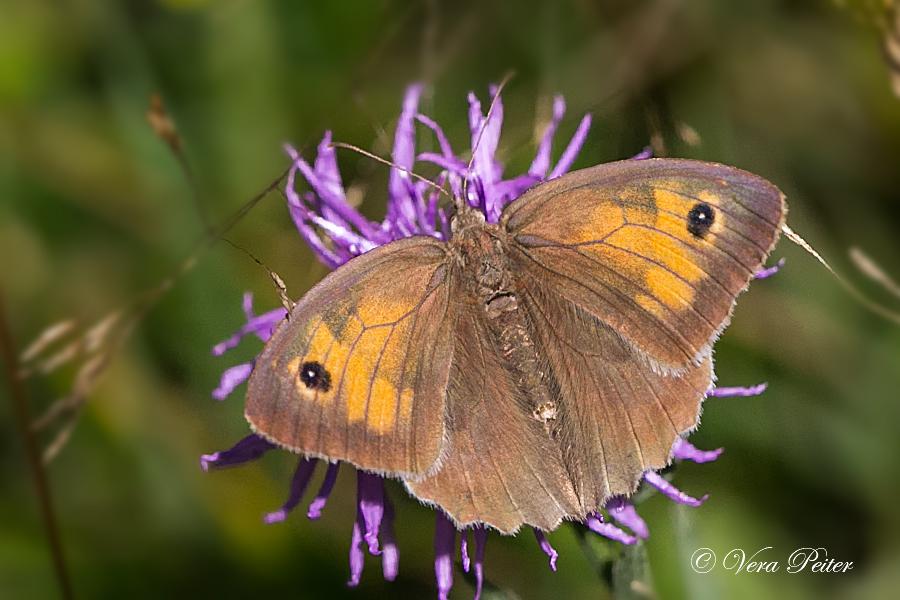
<point>492,287</point>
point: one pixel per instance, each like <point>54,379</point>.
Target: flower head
<point>337,232</point>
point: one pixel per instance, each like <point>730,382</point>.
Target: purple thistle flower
<point>302,475</point>
<point>248,449</point>
<point>762,274</point>
<point>316,506</point>
<point>337,232</point>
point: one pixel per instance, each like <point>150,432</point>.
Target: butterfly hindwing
<point>657,249</point>
<point>359,370</point>
<point>616,417</point>
<point>502,468</point>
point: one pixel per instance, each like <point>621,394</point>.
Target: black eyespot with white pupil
<point>700,219</point>
<point>314,376</point>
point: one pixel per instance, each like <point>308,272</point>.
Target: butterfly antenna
<point>857,295</point>
<point>278,281</point>
<point>463,204</point>
<point>392,165</point>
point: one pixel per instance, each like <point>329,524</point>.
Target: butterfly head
<point>465,218</point>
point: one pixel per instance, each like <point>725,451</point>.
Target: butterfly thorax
<point>489,282</point>
<point>480,254</point>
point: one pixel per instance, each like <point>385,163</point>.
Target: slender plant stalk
<point>32,453</point>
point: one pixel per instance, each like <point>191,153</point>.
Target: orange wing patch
<point>336,379</point>
<point>642,235</point>
<point>357,380</point>
<point>669,198</point>
<point>382,407</point>
<point>651,304</point>
<point>335,358</point>
<point>382,308</point>
<point>670,289</point>
<point>651,233</point>
<point>388,376</point>
<point>665,241</point>
<point>665,271</point>
<point>604,218</point>
<point>320,346</point>
<point>366,361</point>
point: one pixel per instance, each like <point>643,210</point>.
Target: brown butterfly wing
<point>627,274</point>
<point>359,371</point>
<point>657,249</point>
<point>615,416</point>
<point>501,468</point>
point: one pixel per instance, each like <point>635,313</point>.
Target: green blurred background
<point>94,209</point>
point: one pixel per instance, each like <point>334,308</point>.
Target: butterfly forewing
<point>359,371</point>
<point>657,249</point>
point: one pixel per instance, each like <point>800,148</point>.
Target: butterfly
<point>525,371</point>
